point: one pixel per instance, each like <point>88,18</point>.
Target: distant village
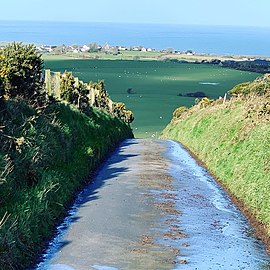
<point>115,50</point>
<point>256,64</point>
<point>91,48</point>
<point>107,49</point>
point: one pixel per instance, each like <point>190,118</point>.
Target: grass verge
<point>45,159</point>
<point>233,140</point>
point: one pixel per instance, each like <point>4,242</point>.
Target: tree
<point>189,52</point>
<point>20,71</point>
<point>169,50</point>
<point>93,47</point>
<point>130,91</point>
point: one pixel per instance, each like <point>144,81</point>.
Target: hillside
<point>49,147</point>
<point>153,83</point>
<point>232,139</point>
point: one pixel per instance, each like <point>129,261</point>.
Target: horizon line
<point>133,23</point>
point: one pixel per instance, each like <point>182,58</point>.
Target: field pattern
<point>151,88</point>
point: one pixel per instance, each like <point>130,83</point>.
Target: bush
<point>68,90</point>
<point>119,110</point>
<point>205,102</point>
<point>102,98</point>
<point>20,71</point>
<point>45,159</point>
<point>179,111</point>
<point>260,87</point>
<point>196,94</point>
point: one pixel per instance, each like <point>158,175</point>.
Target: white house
<point>48,48</point>
<point>85,48</point>
<point>121,48</point>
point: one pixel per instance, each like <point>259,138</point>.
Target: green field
<point>155,85</point>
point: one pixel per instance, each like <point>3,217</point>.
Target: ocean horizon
<point>225,40</point>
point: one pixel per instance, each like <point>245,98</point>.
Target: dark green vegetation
<point>87,95</point>
<point>155,85</point>
<point>261,66</point>
<point>48,149</point>
<point>44,160</point>
<point>20,72</point>
<point>233,139</point>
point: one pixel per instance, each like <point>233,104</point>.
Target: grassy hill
<point>45,158</point>
<point>155,85</point>
<point>232,139</point>
<point>49,146</point>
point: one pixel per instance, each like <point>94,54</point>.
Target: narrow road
<point>151,206</point>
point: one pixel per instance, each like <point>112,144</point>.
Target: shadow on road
<point>108,171</point>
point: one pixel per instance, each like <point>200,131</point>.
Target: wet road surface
<point>151,206</point>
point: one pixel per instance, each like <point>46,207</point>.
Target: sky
<point>196,12</point>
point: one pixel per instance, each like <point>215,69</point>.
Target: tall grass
<point>45,158</point>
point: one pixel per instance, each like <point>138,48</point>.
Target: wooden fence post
<point>48,79</point>
<point>57,82</point>
<point>76,82</point>
<point>225,97</point>
<point>92,97</point>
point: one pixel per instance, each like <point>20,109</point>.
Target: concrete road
<point>151,206</point>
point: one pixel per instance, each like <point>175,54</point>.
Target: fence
<point>52,85</point>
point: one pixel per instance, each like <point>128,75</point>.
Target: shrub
<point>20,71</point>
<point>260,87</point>
<point>196,94</point>
<point>119,110</point>
<point>76,94</point>
<point>68,91</point>
<point>45,159</point>
<point>102,98</point>
<point>179,111</point>
<point>205,102</point>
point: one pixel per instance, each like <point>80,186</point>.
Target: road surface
<point>151,206</point>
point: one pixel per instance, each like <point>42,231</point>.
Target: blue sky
<point>204,12</point>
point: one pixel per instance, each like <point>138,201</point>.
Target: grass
<point>146,56</point>
<point>44,161</point>
<point>233,140</point>
<point>125,55</point>
<point>156,85</point>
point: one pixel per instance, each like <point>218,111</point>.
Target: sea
<point>225,40</point>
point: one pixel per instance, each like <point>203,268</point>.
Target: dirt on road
<point>151,206</point>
